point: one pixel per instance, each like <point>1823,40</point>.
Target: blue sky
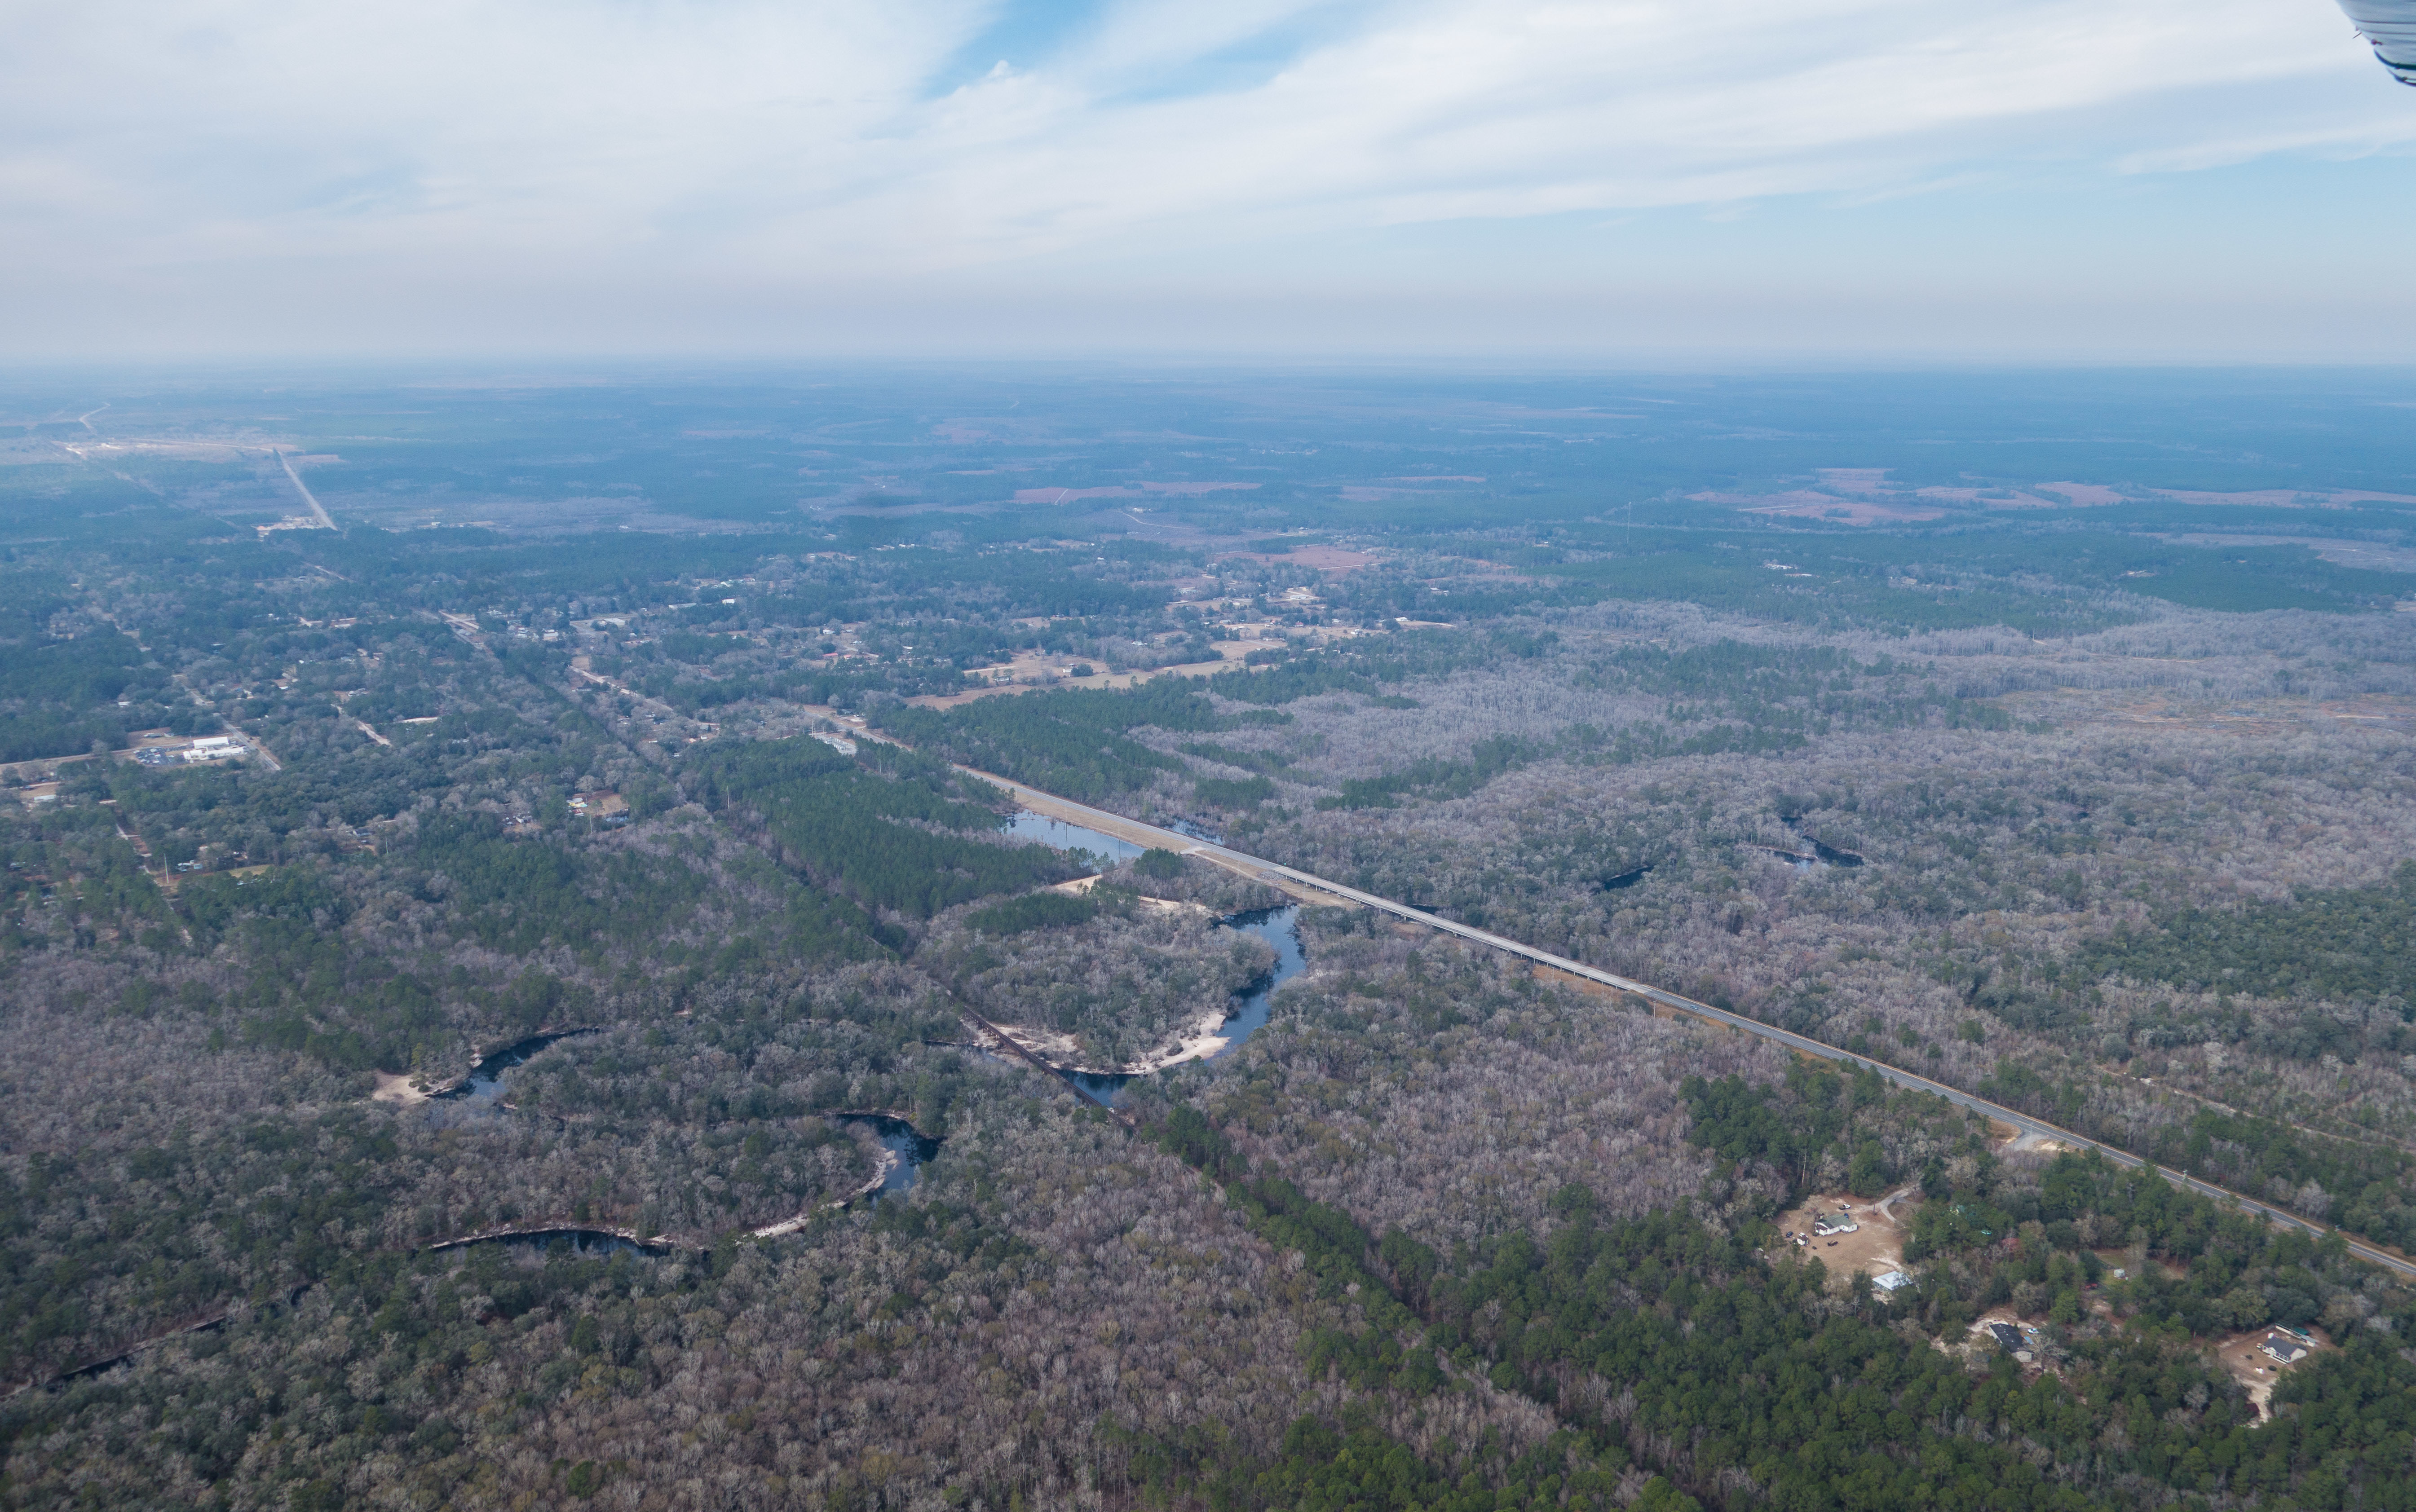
<point>1604,181</point>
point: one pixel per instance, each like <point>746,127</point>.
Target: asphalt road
<point>1251,866</point>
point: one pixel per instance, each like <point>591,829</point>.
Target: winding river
<point>484,1086</point>
<point>483,1089</point>
<point>910,1146</point>
<point>1278,927</point>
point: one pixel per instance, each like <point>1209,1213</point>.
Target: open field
<point>2244,1355</point>
<point>1874,1248</point>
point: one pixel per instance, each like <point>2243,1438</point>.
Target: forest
<point>599,1035</point>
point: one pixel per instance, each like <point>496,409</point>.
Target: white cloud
<point>235,147</point>
<point>2330,139</point>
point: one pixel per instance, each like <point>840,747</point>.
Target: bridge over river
<point>1313,887</point>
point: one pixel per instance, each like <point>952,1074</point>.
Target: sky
<point>1760,181</point>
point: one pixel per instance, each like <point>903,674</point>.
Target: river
<point>1278,927</point>
<point>1826,854</point>
<point>902,1140</point>
<point>1066,837</point>
<point>484,1089</point>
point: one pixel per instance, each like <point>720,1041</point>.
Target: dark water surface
<point>574,1241</point>
<point>485,1088</point>
<point>901,1139</point>
<point>1829,854</point>
<point>1277,926</point>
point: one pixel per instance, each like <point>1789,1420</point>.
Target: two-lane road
<point>1265,870</point>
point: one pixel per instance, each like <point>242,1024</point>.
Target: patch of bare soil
<point>1057,1048</point>
<point>1332,558</point>
<point>2031,1139</point>
<point>1030,671</point>
<point>1194,1041</point>
<point>1982,1341</point>
<point>1805,503</point>
<point>2244,1357</point>
<point>1873,1246</point>
<point>399,1089</point>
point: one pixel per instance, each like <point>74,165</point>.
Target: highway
<point>1270,872</point>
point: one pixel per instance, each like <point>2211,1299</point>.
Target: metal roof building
<point>2391,27</point>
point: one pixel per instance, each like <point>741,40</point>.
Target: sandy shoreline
<point>401,1089</point>
<point>880,1169</point>
<point>1200,1040</point>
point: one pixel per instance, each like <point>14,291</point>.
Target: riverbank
<point>404,1090</point>
<point>1213,1033</point>
<point>884,1170</point>
<point>655,1243</point>
<point>1202,1040</point>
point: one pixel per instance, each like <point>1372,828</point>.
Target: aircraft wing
<point>2391,27</point>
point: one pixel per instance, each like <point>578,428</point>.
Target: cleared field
<point>1874,1247</point>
